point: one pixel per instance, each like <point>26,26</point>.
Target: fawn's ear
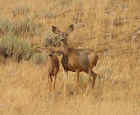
<point>70,28</point>
<point>55,30</point>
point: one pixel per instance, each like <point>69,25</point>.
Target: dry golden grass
<point>24,90</point>
<point>103,24</point>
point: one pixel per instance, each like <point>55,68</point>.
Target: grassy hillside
<point>99,24</point>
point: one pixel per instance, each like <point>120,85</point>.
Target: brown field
<point>113,25</point>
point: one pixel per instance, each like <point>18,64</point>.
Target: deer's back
<point>79,60</point>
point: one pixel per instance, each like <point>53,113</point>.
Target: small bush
<point>16,48</point>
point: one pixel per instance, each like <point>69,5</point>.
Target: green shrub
<point>16,48</point>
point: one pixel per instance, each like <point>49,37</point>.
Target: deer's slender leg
<point>65,80</point>
<point>54,81</point>
<point>94,76</point>
<point>50,80</point>
<point>78,84</point>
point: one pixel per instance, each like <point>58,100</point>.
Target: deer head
<point>63,36</point>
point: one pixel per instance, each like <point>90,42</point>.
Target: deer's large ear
<point>70,28</point>
<point>55,30</point>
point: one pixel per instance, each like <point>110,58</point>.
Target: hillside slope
<point>99,24</point>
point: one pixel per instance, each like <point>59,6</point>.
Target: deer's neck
<point>66,49</point>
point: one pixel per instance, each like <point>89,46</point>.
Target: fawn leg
<point>94,76</point>
<point>54,81</point>
<point>65,79</point>
<point>50,80</point>
<point>78,79</point>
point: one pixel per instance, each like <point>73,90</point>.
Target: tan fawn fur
<point>52,69</point>
<point>76,60</point>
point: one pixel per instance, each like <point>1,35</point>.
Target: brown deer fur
<point>52,69</point>
<point>76,60</point>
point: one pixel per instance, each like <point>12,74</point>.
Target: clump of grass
<point>16,48</point>
<point>5,26</point>
<point>2,55</point>
<point>27,28</point>
<point>46,14</point>
<point>118,21</point>
<point>20,10</point>
<point>38,58</point>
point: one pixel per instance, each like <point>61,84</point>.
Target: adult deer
<point>76,60</point>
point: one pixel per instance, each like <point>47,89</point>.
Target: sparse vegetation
<point>16,48</point>
<point>20,11</point>
<point>39,58</point>
<point>108,24</point>
<point>27,28</point>
<point>5,26</point>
